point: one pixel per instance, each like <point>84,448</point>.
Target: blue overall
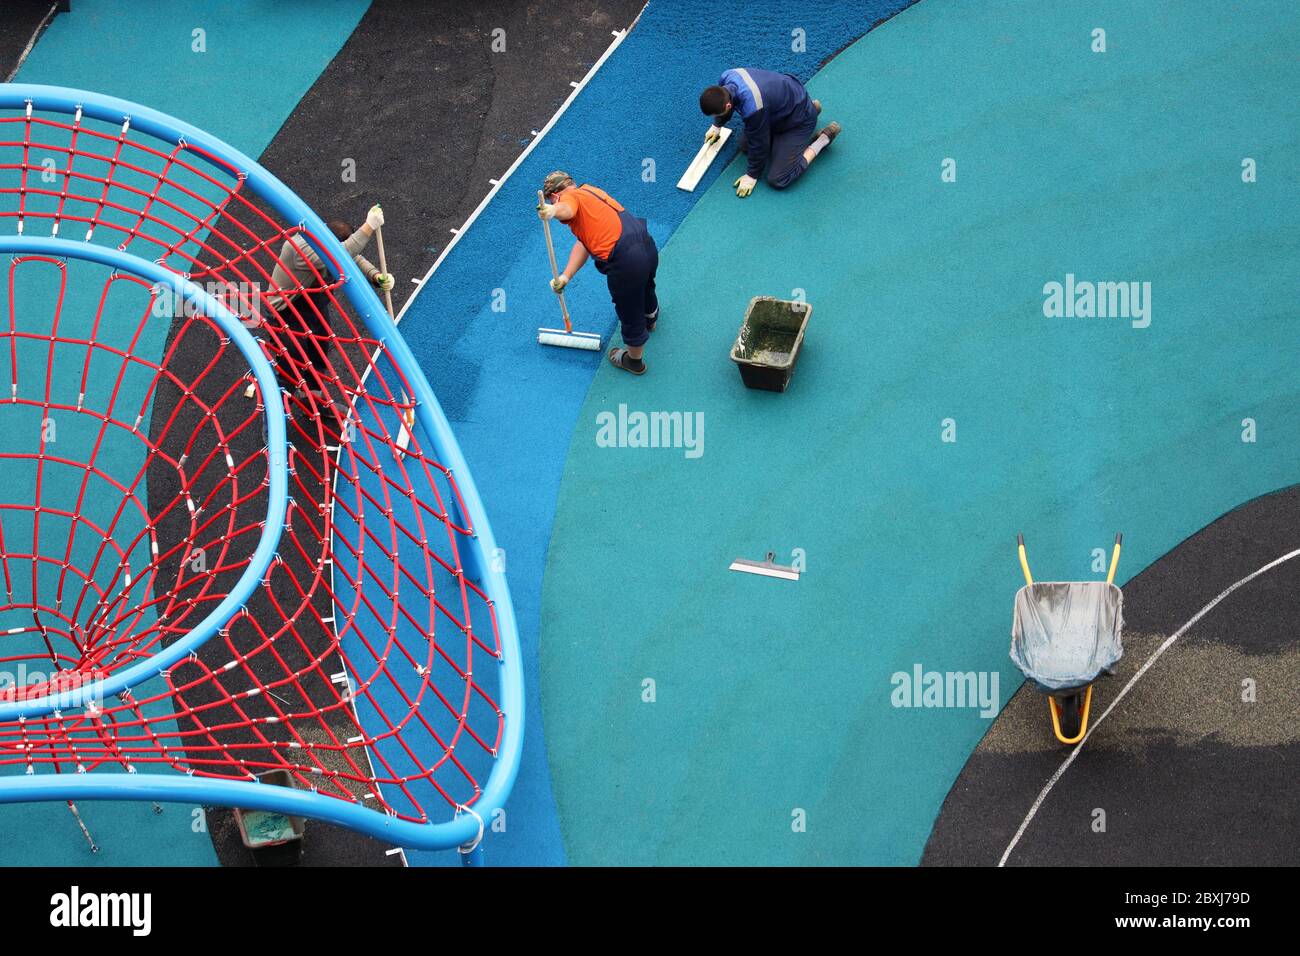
<point>630,272</point>
<point>779,122</point>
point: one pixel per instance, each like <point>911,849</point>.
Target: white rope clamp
<point>470,847</point>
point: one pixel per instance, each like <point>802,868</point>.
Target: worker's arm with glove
<point>715,128</point>
<point>577,259</point>
<point>559,209</point>
<point>382,281</point>
<point>361,237</point>
<point>758,142</point>
<point>563,211</point>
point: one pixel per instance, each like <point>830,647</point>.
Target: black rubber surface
<point>1185,771</point>
<point>19,21</point>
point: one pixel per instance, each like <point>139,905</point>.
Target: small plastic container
<point>770,338</point>
<point>274,838</point>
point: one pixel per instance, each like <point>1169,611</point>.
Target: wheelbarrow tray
<point>1066,634</point>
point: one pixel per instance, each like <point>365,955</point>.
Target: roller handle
<point>555,269</point>
<point>383,267</point>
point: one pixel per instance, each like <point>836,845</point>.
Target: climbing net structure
<point>236,533</point>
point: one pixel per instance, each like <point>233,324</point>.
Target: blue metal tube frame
<point>461,829</point>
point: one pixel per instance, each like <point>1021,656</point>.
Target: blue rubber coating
<point>938,407</point>
<point>633,130</point>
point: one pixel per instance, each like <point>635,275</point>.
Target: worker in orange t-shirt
<point>623,251</point>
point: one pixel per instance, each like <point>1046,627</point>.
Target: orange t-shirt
<point>595,222</point>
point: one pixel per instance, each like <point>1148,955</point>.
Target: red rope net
<point>136,486</point>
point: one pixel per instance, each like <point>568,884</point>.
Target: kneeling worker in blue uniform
<point>623,251</point>
<point>779,118</point>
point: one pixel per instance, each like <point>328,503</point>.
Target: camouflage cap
<point>556,181</point>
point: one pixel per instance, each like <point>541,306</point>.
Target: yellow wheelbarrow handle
<point>1083,719</point>
<point>1024,561</point>
<point>1029,578</point>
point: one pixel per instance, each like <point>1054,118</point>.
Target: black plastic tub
<point>770,338</point>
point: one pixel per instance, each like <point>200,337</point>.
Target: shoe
<point>830,132</point>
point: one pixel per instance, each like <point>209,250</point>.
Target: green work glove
<point>745,185</point>
<point>384,281</point>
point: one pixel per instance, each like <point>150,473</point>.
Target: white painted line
<point>1169,642</point>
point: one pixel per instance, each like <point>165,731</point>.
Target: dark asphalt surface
<point>1185,771</point>
<point>19,20</point>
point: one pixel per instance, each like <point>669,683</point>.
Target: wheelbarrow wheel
<point>1071,706</point>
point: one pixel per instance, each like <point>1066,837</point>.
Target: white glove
<point>744,186</point>
<point>546,211</point>
<point>558,284</point>
<point>712,133</point>
<point>384,281</point>
<point>375,218</point>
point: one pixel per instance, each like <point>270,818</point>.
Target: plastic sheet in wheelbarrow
<point>1066,633</point>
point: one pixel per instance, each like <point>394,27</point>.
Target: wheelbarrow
<point>1064,636</point>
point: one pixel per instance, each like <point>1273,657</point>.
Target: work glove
<point>712,134</point>
<point>744,186</point>
<point>384,281</point>
<point>545,211</point>
<point>375,218</point>
<point>558,284</point>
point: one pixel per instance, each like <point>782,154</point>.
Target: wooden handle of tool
<point>383,267</point>
<point>555,269</point>
<point>408,409</point>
